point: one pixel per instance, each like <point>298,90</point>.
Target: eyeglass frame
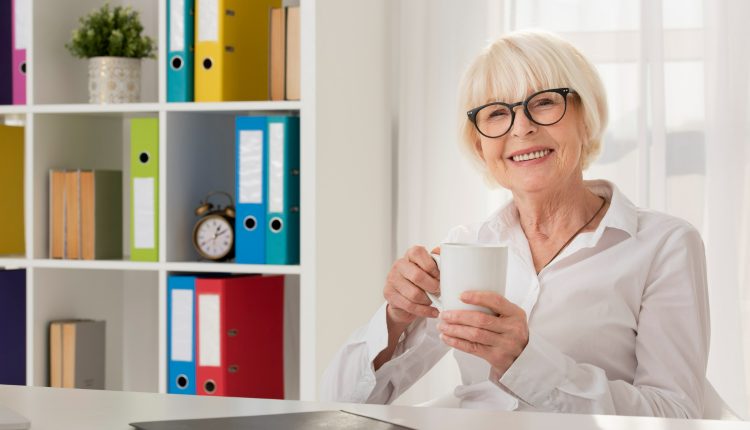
<point>472,114</point>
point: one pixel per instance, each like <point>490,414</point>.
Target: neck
<point>556,213</point>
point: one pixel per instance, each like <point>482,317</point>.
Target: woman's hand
<point>405,286</point>
<point>498,339</point>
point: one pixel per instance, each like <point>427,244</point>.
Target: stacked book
<point>77,354</point>
<point>85,214</point>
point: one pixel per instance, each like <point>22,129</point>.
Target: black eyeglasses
<point>544,107</point>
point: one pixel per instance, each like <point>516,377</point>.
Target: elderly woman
<point>606,307</point>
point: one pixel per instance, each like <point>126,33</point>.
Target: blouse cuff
<point>538,371</point>
<point>376,335</point>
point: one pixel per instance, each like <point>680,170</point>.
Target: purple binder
<point>13,326</point>
<point>6,53</point>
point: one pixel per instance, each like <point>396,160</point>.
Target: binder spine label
<point>251,166</point>
<point>276,167</point>
<point>176,25</point>
<point>182,325</point>
<point>209,330</point>
<point>144,212</point>
<point>208,20</point>
<point>21,18</point>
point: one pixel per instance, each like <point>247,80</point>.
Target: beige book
<point>72,215</point>
<point>293,53</point>
<point>55,354</point>
<point>57,214</point>
<point>277,52</point>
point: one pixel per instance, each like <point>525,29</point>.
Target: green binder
<point>144,189</point>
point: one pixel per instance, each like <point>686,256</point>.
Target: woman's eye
<point>498,112</point>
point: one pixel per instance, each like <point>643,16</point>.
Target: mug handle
<point>435,299</point>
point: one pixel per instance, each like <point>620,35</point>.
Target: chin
<point>533,184</point>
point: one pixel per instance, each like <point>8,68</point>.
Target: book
<point>277,53</point>
<point>77,354</point>
<point>101,214</point>
<point>293,50</point>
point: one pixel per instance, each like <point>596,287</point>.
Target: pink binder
<point>20,13</point>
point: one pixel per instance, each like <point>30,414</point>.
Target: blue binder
<point>251,144</point>
<point>181,334</point>
<point>180,50</point>
<point>13,327</point>
<point>282,226</point>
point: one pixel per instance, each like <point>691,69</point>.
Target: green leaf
<point>115,32</point>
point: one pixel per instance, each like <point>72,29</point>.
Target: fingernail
<point>435,313</point>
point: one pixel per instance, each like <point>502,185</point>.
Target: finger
<point>493,301</point>
<point>401,302</point>
<point>417,275</point>
<point>412,292</point>
<point>435,250</point>
<point>471,334</point>
<point>473,348</point>
<point>473,319</point>
<point>419,256</point>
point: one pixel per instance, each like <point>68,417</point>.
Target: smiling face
<point>511,69</point>
<point>532,158</point>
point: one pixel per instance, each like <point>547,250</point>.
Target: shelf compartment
<point>127,300</point>
<point>200,159</point>
<point>59,77</point>
<point>79,141</point>
<point>291,334</point>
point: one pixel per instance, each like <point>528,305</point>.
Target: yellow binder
<point>11,191</point>
<point>232,49</point>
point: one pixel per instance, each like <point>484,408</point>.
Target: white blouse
<point>618,324</point>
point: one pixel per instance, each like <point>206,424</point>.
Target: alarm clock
<point>213,234</point>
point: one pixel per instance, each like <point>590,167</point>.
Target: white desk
<point>54,408</point>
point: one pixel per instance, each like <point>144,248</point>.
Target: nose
<point>522,125</point>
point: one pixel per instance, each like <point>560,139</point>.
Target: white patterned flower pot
<point>114,80</point>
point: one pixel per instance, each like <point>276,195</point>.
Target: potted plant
<point>111,39</point>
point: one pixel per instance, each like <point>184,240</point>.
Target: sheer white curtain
<point>677,74</point>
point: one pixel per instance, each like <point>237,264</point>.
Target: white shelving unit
<point>346,205</point>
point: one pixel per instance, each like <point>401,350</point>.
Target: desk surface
<point>55,408</point>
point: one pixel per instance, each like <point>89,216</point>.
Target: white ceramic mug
<point>469,267</point>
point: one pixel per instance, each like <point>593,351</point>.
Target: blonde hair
<point>531,61</point>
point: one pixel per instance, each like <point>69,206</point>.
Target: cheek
<point>491,150</point>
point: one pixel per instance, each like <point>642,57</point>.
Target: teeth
<point>531,155</point>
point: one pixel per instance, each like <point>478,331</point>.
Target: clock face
<point>214,237</point>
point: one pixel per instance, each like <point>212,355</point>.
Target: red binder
<point>240,336</point>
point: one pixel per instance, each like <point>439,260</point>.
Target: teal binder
<point>283,191</point>
<point>180,50</point>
